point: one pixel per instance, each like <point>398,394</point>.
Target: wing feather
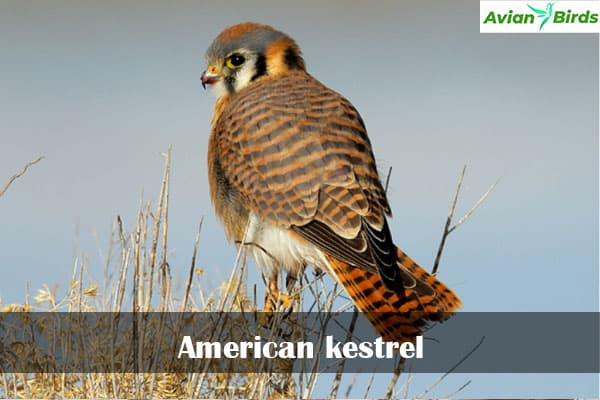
<point>302,160</point>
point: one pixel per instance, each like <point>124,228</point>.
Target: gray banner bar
<point>236,342</point>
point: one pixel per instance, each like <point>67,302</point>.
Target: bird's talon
<point>277,301</point>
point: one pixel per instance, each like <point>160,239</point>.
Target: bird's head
<point>243,53</point>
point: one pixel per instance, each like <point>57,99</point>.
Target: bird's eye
<point>235,61</point>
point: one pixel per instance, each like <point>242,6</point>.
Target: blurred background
<point>102,89</point>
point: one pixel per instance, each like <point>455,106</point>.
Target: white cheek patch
<point>219,88</point>
<point>244,75</point>
<point>241,77</point>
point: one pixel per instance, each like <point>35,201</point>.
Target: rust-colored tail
<point>397,316</point>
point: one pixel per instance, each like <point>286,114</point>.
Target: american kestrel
<point>291,167</point>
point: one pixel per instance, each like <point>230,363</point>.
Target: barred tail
<point>401,315</point>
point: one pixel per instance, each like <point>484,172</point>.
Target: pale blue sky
<point>101,89</point>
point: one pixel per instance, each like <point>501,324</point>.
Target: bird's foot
<point>278,307</point>
<point>276,300</point>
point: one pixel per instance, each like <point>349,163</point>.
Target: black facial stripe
<point>292,59</point>
<point>260,66</point>
<point>229,81</point>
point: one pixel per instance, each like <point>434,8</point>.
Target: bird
<point>545,15</point>
<point>292,176</point>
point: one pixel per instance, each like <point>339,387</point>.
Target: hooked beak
<point>210,76</point>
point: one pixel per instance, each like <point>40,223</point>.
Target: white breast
<point>275,248</point>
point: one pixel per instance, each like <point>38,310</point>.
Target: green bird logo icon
<point>545,14</point>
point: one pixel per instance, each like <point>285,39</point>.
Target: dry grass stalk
<point>137,256</point>
<point>448,228</point>
<point>19,174</point>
